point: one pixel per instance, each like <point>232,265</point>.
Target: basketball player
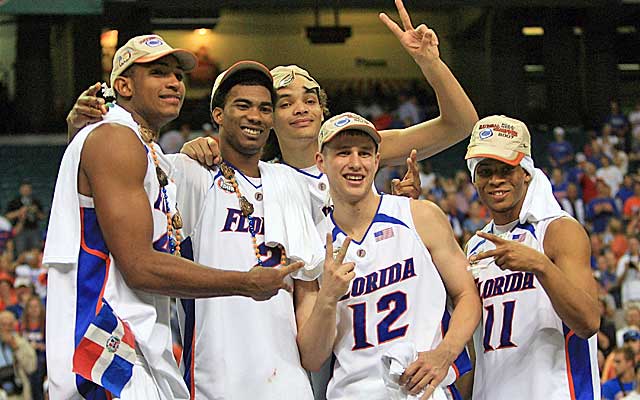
<point>302,106</point>
<point>237,349</point>
<point>402,261</point>
<point>537,339</point>
<point>114,219</point>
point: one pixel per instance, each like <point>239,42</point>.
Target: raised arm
<point>434,230</point>
<point>113,166</point>
<point>457,113</point>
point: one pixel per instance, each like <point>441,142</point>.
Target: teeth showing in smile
<point>498,193</point>
<point>250,131</point>
<point>353,177</point>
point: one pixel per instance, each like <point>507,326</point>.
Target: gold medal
<point>245,206</point>
<point>163,180</point>
<point>176,220</point>
<point>227,171</point>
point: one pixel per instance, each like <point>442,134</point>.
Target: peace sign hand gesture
<point>511,255</point>
<point>421,42</point>
<point>337,275</point>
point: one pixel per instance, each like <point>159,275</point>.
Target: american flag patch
<point>519,237</point>
<point>383,234</point>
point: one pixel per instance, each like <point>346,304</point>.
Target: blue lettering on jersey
<point>501,285</point>
<point>382,278</point>
<point>236,222</point>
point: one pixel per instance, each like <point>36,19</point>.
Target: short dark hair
<point>247,77</point>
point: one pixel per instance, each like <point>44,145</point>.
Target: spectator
<point>427,177</point>
<point>607,332</point>
<point>605,143</point>
<point>408,111</point>
<point>559,184</point>
<point>24,290</point>
<point>617,120</point>
<point>172,141</point>
<point>632,323</point>
<point>32,329</point>
<point>475,221</point>
<point>576,172</point>
<point>625,191</point>
<point>628,274</point>
<point>560,151</point>
<point>6,235</point>
<point>26,211</point>
<point>17,358</point>
<point>601,209</point>
<point>7,294</point>
<point>619,242</point>
<point>632,204</point>
<point>621,159</point>
<point>635,394</point>
<point>573,204</point>
<point>588,182</point>
<point>624,381</point>
<point>610,174</point>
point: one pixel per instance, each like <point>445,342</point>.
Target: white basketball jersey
<point>235,348</point>
<point>319,188</point>
<point>397,295</point>
<point>75,291</point>
<point>523,349</point>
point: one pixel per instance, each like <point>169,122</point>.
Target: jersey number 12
<point>396,302</point>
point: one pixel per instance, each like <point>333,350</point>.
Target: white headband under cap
<point>526,163</point>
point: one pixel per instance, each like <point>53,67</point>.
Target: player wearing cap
<point>400,262</point>
<point>113,221</point>
<point>236,348</point>
<point>537,339</point>
<point>302,107</point>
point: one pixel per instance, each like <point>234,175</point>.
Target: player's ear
<point>123,85</point>
<point>217,116</point>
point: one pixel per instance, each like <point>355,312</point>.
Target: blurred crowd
<point>597,182</point>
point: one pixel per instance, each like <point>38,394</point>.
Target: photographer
<point>17,358</point>
<point>26,211</point>
<point>628,274</point>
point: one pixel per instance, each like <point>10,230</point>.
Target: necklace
<point>246,207</point>
<point>174,223</point>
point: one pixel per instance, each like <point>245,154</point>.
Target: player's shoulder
<point>425,210</point>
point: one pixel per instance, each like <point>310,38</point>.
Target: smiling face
<point>245,119</point>
<point>502,188</point>
<point>298,112</point>
<point>350,161</point>
<point>154,91</point>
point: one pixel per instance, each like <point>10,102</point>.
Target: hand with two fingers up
<point>337,274</point>
<point>512,255</point>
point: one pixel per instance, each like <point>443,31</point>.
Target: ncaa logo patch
<point>342,122</point>
<point>153,41</point>
<point>485,134</point>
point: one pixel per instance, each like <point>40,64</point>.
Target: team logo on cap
<point>153,41</point>
<point>342,122</point>
<point>124,57</point>
<point>485,134</point>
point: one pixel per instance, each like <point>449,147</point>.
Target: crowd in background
<point>596,181</point>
